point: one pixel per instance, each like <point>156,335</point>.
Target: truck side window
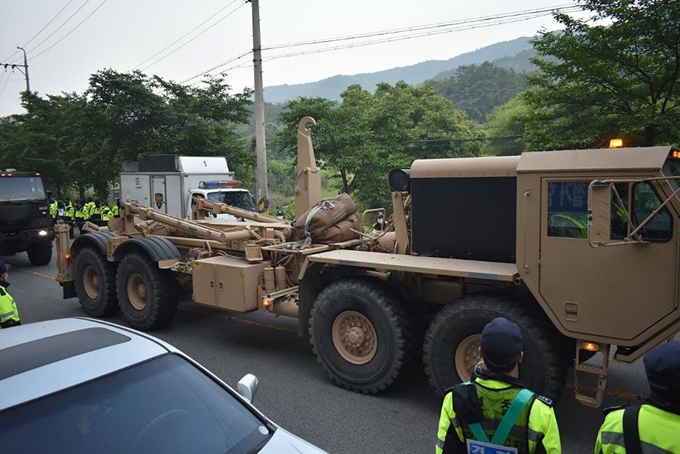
<point>568,209</point>
<point>645,201</point>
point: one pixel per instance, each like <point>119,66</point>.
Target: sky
<point>68,40</point>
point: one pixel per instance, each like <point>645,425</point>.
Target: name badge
<point>479,447</point>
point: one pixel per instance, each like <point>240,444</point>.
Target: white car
<point>86,386</point>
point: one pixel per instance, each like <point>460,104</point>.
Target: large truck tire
<point>95,282</point>
<point>450,350</point>
<point>147,295</point>
<point>361,335</point>
<point>40,254</point>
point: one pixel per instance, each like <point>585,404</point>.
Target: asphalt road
<point>295,393</point>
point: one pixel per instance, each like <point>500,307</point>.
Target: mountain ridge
<point>332,87</point>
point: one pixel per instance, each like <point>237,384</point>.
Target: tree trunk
<point>650,133</point>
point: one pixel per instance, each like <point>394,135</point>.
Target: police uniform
<point>495,406</point>
<point>653,427</point>
<point>9,314</point>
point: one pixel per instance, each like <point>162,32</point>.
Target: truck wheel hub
<point>467,356</point>
<point>136,290</point>
<point>354,337</point>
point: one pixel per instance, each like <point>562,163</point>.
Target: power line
<point>166,56</point>
<point>434,29</point>
<point>42,29</point>
<point>524,14</point>
<point>72,30</point>
<point>184,36</point>
<point>231,60</point>
<point>469,25</point>
<point>59,28</point>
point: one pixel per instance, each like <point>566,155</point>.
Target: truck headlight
<point>43,233</point>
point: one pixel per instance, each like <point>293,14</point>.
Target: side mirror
<point>599,213</point>
<point>247,387</point>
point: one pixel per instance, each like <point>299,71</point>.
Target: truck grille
<point>19,224</point>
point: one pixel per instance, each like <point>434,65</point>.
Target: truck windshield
<point>238,199</point>
<point>672,169</point>
<point>21,188</point>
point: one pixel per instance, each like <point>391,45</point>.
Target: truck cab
<point>223,191</point>
<point>25,223</point>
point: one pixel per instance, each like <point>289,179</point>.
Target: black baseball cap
<point>662,366</point>
<point>501,344</point>
<point>4,267</point>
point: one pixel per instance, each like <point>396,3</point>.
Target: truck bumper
<point>19,241</point>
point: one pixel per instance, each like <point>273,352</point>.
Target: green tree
<point>478,89</point>
<point>366,135</point>
<point>504,128</point>
<point>79,141</point>
<point>601,81</point>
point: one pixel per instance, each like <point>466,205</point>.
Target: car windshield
<point>21,188</point>
<point>238,199</point>
<point>165,405</point>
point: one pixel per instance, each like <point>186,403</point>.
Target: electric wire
<point>41,30</point>
<point>394,39</point>
<point>72,30</point>
<point>435,29</point>
<point>526,15</point>
<point>58,28</point>
<point>180,47</point>
<point>184,36</point>
<point>3,87</point>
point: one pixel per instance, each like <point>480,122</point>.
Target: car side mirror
<point>247,387</point>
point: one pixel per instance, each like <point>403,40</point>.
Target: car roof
<point>42,358</point>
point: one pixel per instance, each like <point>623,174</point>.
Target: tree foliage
<point>602,81</point>
<point>367,134</point>
<point>80,140</point>
<point>478,89</point>
<point>505,128</point>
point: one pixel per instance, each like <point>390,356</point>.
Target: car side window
<point>568,209</point>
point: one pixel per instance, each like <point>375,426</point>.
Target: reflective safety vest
<point>69,210</point>
<point>8,308</point>
<point>658,431</point>
<point>114,210</point>
<point>80,213</point>
<point>89,209</point>
<point>490,399</point>
<point>105,213</point>
<point>53,210</point>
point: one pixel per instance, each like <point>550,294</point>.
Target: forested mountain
<point>513,54</point>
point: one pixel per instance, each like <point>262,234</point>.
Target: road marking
<point>35,273</point>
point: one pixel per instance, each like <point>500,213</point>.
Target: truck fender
<point>156,247</point>
<point>310,287</point>
<point>97,240</point>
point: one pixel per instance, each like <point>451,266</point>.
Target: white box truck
<point>168,183</point>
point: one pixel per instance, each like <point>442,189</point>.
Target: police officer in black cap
<point>653,426</point>
<point>494,409</point>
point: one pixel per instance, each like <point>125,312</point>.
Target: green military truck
<point>579,248</point>
<point>25,223</point>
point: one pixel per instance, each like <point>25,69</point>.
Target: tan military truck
<point>580,248</point>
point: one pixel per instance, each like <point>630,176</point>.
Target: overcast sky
<point>126,34</point>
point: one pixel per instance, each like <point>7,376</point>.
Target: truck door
<point>617,291</point>
<point>158,194</point>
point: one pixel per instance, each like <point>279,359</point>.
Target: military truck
<point>469,239</point>
<point>25,223</point>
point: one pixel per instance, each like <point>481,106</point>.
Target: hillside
<point>514,54</point>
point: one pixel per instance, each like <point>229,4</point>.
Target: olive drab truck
<point>579,248</point>
<point>25,223</point>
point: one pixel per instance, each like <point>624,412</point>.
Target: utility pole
<point>260,146</point>
<point>28,84</point>
<point>24,72</point>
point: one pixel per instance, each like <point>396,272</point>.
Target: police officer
<point>653,426</point>
<point>379,223</point>
<point>494,408</point>
<point>9,314</point>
